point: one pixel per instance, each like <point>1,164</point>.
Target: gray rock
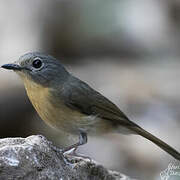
<point>33,158</point>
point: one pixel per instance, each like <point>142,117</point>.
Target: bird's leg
<point>82,141</point>
<point>71,150</point>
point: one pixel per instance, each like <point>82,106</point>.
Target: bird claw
<point>73,153</point>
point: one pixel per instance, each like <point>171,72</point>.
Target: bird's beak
<point>12,67</point>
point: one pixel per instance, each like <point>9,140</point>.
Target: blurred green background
<point>127,50</point>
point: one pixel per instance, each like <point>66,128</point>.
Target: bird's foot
<point>69,153</point>
<point>73,154</point>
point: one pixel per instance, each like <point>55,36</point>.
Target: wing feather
<point>82,97</point>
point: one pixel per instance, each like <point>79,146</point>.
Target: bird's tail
<point>157,141</point>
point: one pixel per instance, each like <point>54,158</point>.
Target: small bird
<point>70,105</point>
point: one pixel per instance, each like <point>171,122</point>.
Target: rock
<point>33,158</point>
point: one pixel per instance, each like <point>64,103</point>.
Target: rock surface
<point>33,158</point>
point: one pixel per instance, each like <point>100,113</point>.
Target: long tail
<point>157,141</point>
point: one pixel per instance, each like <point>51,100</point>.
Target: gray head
<point>40,68</point>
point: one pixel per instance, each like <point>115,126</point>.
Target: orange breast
<point>59,116</point>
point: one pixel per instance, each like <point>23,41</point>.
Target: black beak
<point>11,67</point>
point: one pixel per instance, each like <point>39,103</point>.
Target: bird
<point>70,105</point>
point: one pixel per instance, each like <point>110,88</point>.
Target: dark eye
<point>37,63</point>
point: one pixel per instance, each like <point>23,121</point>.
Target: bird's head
<point>39,68</point>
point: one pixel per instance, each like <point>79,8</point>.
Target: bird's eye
<point>37,63</point>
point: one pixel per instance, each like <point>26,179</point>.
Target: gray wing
<point>80,96</point>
